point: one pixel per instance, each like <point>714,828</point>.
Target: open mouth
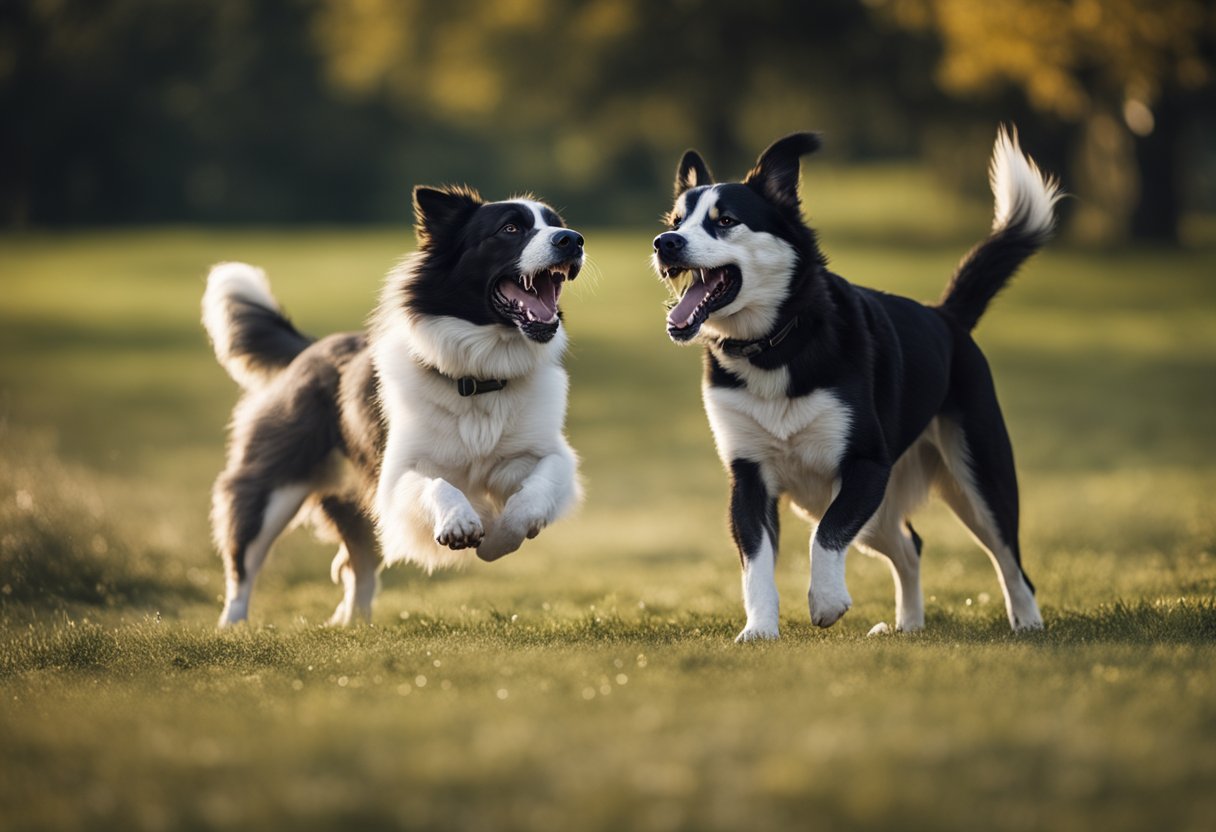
<point>530,300</point>
<point>699,293</point>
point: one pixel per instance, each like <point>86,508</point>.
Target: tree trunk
<point>1158,208</point>
<point>1105,183</point>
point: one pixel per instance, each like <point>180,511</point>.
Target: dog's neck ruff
<point>750,348</point>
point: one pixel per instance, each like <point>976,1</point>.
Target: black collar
<point>469,386</point>
<point>739,348</point>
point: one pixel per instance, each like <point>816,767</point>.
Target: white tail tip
<point>1023,194</point>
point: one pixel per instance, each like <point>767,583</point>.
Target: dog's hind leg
<point>890,535</point>
<point>753,524</point>
<point>357,564</point>
<point>899,544</point>
<point>249,516</point>
<point>979,483</point>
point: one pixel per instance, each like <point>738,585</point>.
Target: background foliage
<point>307,110</point>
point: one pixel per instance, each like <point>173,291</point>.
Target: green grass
<point>590,681</point>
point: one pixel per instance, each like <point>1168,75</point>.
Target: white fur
<point>765,263</point>
<point>798,444</point>
<point>538,253</point>
<point>234,281</point>
<point>828,597</point>
<point>488,469</point>
<point>1021,192</point>
<point>281,509</point>
<point>760,599</point>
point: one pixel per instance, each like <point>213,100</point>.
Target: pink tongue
<point>681,315</point>
<point>542,305</point>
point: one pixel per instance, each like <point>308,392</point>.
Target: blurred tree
<point>603,95</point>
<point>1126,72</point>
<point>144,110</point>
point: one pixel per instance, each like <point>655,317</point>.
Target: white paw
<point>234,613</point>
<point>828,607</point>
<point>757,632</point>
<point>341,616</point>
<point>509,532</point>
<point>460,528</point>
<point>504,537</point>
<point>879,629</point>
<point>1027,624</point>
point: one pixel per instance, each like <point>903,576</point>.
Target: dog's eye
<point>726,222</point>
<point>675,222</point>
<point>509,228</point>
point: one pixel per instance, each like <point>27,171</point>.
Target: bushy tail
<point>1023,220</point>
<point>252,337</point>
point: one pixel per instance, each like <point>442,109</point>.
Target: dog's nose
<point>669,242</point>
<point>567,239</point>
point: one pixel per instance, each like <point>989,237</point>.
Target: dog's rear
<point>282,438</point>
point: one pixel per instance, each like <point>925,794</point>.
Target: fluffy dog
<point>853,402</point>
<point>438,432</point>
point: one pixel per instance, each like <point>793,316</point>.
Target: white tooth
<point>702,275</point>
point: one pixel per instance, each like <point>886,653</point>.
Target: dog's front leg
<point>753,524</point>
<point>412,497</point>
<point>863,484</point>
<point>543,496</point>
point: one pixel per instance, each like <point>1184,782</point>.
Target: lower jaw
<point>539,332</point>
<point>536,331</point>
<point>682,335</point>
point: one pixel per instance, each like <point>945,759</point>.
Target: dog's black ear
<point>439,211</point>
<point>692,172</point>
<point>775,175</point>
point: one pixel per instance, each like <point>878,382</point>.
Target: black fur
<point>895,364</point>
<point>986,270</point>
<point>287,436</point>
<point>753,510</point>
<point>264,337</point>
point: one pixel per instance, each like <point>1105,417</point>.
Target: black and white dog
<point>852,402</point>
<point>440,430</point>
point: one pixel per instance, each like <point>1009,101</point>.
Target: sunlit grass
<point>590,681</point>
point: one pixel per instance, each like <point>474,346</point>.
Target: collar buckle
<point>468,386</point>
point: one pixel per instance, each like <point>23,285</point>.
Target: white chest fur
<point>798,442</point>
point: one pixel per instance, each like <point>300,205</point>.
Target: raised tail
<point>1023,219</point>
<point>252,337</point>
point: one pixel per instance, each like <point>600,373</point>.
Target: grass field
<point>590,681</point>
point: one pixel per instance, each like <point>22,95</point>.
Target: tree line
<point>329,110</point>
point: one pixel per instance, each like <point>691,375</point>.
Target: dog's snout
<point>567,239</point>
<point>669,242</point>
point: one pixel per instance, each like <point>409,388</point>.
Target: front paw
<point>757,632</point>
<point>503,538</point>
<point>460,528</point>
<point>828,607</point>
